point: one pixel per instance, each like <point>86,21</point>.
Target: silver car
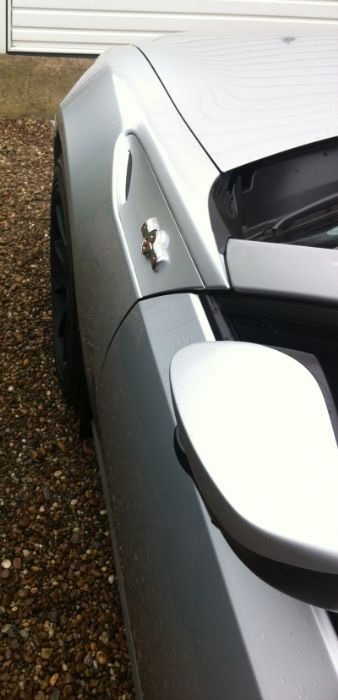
<point>194,255</point>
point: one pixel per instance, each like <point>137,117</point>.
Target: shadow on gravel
<point>61,632</point>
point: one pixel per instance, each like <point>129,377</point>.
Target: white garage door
<point>89,26</point>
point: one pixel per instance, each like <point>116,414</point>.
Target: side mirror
<point>258,438</point>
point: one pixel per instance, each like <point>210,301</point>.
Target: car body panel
<point>177,271</point>
<point>252,95</point>
<point>122,94</point>
<point>195,609</point>
<point>274,268</point>
<point>203,624</point>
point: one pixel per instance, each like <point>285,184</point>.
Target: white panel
<point>87,26</point>
<point>282,8</point>
<point>106,21</point>
<point>59,38</point>
<point>120,21</point>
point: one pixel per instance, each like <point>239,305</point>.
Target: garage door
<point>89,26</point>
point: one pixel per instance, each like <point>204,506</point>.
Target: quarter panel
<point>121,95</point>
<point>109,270</point>
<point>204,625</point>
<point>106,286</point>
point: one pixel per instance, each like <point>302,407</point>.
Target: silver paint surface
<point>283,270</point>
<point>121,96</point>
<point>145,200</point>
<point>204,626</point>
<point>267,450</point>
<point>252,94</point>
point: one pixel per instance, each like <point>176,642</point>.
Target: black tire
<point>66,336</point>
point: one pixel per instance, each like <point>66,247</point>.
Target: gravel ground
<point>61,631</point>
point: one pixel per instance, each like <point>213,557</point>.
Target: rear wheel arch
<point>66,335</point>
